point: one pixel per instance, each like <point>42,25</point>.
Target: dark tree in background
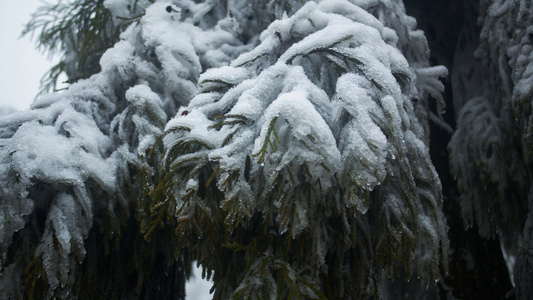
<point>295,149</point>
<point>487,50</point>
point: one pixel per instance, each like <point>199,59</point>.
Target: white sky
<point>21,66</point>
<point>21,69</point>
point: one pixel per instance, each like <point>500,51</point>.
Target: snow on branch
<point>313,134</point>
<point>71,166</point>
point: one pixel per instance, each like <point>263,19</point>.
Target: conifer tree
<point>491,148</point>
<point>306,186</point>
<point>283,145</point>
<point>72,215</point>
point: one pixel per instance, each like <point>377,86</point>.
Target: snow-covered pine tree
<point>303,164</point>
<point>300,167</point>
<point>71,212</point>
<point>491,150</point>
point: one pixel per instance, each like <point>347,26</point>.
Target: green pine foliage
<point>72,167</point>
<point>81,31</point>
<point>283,145</point>
<point>308,185</point>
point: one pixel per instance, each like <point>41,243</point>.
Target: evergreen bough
<point>300,168</point>
<point>302,164</point>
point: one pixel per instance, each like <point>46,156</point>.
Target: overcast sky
<point>21,66</point>
<point>21,69</point>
